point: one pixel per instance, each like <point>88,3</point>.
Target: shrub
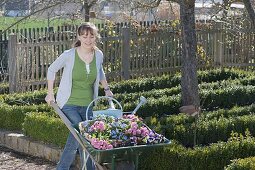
<point>209,131</point>
<point>12,117</point>
<point>215,156</point>
<point>242,164</point>
<point>4,88</point>
<point>42,127</point>
<point>27,98</point>
<point>169,81</point>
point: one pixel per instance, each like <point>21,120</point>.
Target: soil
<point>12,160</point>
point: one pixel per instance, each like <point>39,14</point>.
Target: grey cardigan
<point>66,61</point>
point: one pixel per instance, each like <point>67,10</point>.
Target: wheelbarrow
<point>104,158</point>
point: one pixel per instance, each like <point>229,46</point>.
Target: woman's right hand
<point>50,97</point>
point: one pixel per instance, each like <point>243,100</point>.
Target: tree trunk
<point>189,82</point>
<point>86,11</point>
<point>250,11</point>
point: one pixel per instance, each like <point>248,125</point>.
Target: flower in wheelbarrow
<point>144,131</point>
<point>98,126</point>
<point>132,117</point>
<point>135,130</point>
<point>100,144</point>
<point>154,138</point>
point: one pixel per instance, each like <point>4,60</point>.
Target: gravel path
<point>12,160</point>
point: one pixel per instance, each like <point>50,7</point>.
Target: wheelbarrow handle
<point>74,133</point>
<point>61,114</point>
<point>66,122</point>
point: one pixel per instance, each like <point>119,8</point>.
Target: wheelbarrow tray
<point>120,153</point>
<point>130,153</point>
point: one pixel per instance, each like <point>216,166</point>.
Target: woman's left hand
<point>109,93</point>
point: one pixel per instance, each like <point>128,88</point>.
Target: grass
<point>33,22</point>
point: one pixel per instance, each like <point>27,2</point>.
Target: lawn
<point>33,22</point>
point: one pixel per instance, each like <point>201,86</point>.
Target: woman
<point>79,84</point>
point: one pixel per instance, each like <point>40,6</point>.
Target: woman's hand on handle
<point>109,93</point>
<point>50,97</point>
<point>107,89</point>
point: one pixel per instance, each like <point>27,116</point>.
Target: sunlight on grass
<point>33,22</point>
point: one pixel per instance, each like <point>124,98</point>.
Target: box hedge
<point>42,127</point>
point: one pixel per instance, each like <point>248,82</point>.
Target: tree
<point>86,6</point>
<point>189,81</point>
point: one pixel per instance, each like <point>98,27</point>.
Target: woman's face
<point>88,40</point>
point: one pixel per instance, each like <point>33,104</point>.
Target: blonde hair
<point>85,29</point>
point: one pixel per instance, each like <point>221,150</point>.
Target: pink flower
<point>103,147</point>
<point>134,125</point>
<point>93,140</point>
<point>101,142</point>
<point>96,145</point>
<point>101,126</point>
<point>129,131</point>
<point>98,125</point>
<point>109,146</point>
<point>138,132</point>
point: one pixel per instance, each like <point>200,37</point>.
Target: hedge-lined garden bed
<point>227,98</point>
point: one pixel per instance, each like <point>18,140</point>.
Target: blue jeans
<point>75,114</point>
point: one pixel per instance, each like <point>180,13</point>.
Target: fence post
<point>125,62</point>
<point>218,44</point>
<point>12,63</point>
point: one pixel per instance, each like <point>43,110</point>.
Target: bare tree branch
<point>250,11</point>
<point>148,5</point>
<point>92,3</point>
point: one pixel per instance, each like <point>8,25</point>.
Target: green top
<point>82,82</point>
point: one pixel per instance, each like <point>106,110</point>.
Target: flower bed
<point>107,132</point>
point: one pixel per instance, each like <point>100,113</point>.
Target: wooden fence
<point>3,56</point>
<point>129,52</point>
<point>32,34</point>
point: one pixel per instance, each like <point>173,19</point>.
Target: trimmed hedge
<point>210,100</point>
<point>242,164</point>
<point>157,93</point>
<point>27,98</point>
<point>168,81</point>
<point>181,118</point>
<point>215,156</point>
<point>235,111</point>
<point>42,127</point>
<point>4,88</point>
<point>209,131</point>
<point>227,97</point>
<point>12,117</point>
<point>139,86</point>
